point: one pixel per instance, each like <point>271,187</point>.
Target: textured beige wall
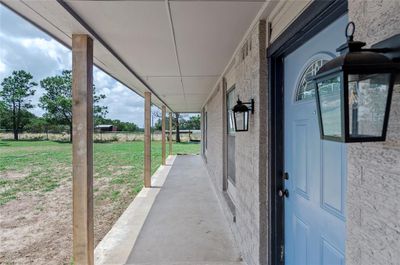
<point>373,189</point>
<point>249,77</point>
<point>214,138</point>
<point>251,151</point>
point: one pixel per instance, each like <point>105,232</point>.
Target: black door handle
<point>283,192</point>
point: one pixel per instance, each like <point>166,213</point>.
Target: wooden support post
<point>163,112</point>
<point>170,133</point>
<point>82,149</point>
<point>147,139</point>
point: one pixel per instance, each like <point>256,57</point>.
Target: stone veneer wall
<point>373,189</point>
<point>250,77</point>
<point>214,150</point>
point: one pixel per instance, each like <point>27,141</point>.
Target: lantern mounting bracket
<point>250,105</point>
<point>390,47</point>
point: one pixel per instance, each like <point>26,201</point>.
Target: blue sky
<point>24,47</point>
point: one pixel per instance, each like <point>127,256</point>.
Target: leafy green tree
<point>37,125</point>
<point>6,122</point>
<point>121,125</point>
<point>125,126</point>
<point>5,116</point>
<point>158,126</point>
<point>3,106</point>
<point>193,123</point>
<point>25,120</point>
<point>15,92</point>
<point>57,100</point>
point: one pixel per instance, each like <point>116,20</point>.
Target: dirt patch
<point>13,175</point>
<point>37,228</point>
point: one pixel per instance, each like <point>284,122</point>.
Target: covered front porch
<point>199,57</point>
<point>178,220</point>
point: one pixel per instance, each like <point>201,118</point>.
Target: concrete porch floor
<point>184,223</point>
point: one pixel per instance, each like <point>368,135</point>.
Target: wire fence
<point>101,136</point>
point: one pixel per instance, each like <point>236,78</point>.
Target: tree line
<point>15,102</point>
<point>178,123</point>
<point>193,123</point>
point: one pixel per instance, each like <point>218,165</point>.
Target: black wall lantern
<point>241,115</point>
<point>354,90</point>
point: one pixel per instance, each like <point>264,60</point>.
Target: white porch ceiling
<point>177,49</point>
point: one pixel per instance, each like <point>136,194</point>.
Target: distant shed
<point>106,128</point>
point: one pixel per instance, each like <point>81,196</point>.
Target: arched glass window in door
<point>305,89</point>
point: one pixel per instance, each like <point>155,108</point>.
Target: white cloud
<point>2,67</point>
<point>100,77</point>
<point>50,49</point>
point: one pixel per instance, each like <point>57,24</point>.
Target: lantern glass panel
<point>367,104</point>
<point>230,102</point>
<point>329,95</point>
<point>241,121</point>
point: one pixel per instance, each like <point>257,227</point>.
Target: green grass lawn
<point>42,166</point>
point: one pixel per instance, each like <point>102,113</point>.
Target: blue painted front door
<point>315,208</point>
